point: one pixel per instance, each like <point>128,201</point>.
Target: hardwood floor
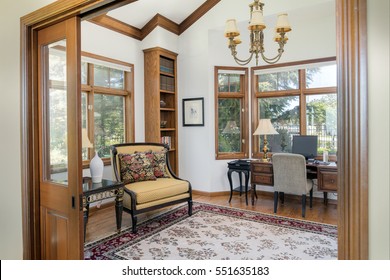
<point>102,223</point>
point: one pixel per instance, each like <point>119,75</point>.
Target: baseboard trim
<point>260,193</point>
<point>222,193</point>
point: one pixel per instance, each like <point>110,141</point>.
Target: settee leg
<point>190,208</point>
<point>134,223</point>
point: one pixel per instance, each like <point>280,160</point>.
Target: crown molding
<point>158,20</point>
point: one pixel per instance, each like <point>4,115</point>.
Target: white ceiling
<point>139,13</point>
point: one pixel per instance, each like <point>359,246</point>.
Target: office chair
<point>290,177</point>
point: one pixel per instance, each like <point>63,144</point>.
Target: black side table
<point>241,167</point>
<point>93,192</point>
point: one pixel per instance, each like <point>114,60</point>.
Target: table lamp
<point>265,128</point>
<point>85,143</point>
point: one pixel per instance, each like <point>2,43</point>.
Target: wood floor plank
<point>102,223</point>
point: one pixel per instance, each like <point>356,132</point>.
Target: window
<point>107,106</point>
<point>300,99</point>
<point>231,114</point>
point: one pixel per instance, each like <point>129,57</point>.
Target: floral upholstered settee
<point>149,181</point>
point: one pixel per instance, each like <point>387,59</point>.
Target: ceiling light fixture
<point>256,27</point>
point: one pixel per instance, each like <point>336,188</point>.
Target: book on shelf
<point>167,140</point>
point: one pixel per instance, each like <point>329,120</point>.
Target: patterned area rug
<point>218,233</point>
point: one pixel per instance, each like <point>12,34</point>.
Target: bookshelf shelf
<point>161,100</point>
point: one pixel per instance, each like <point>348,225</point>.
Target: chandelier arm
<point>277,57</point>
<point>239,61</point>
<point>271,60</point>
<point>242,62</point>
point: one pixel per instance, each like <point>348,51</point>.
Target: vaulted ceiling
<point>138,18</point>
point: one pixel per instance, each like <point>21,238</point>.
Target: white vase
<point>96,166</point>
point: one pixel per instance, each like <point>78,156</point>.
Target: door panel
<point>59,110</point>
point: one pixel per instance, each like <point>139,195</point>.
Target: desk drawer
<point>264,168</point>
<point>327,180</point>
<point>262,179</point>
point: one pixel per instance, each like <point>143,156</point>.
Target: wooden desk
<point>326,175</point>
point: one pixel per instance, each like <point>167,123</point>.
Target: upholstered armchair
<point>149,180</point>
<point>290,177</point>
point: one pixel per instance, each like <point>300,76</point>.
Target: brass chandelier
<point>256,27</point>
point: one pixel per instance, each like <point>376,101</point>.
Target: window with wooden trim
<point>107,104</point>
<point>300,99</point>
<point>231,112</point>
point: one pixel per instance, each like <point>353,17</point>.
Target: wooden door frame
<point>352,120</point>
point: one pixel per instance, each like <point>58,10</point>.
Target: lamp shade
<point>257,21</point>
<point>231,29</point>
<point>282,25</point>
<point>265,128</point>
<point>85,140</point>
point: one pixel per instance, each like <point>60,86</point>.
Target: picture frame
<point>193,111</point>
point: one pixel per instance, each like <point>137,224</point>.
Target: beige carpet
<point>219,233</point>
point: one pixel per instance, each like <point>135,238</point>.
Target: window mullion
<point>302,102</point>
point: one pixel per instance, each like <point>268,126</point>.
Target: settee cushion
<point>159,189</point>
<point>136,167</point>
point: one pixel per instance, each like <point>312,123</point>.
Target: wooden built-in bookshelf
<point>161,100</point>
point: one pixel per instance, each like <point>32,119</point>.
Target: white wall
<point>378,18</point>
<point>10,187</point>
<point>203,46</point>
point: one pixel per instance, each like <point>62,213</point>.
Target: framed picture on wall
<point>193,112</point>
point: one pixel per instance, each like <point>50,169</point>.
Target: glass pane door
<point>55,106</point>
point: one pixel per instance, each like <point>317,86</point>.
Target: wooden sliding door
<point>59,111</point>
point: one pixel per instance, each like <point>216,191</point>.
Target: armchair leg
<point>303,205</point>
<point>133,223</point>
<point>276,195</point>
<point>190,208</point>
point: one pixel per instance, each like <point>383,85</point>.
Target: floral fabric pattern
<point>159,165</point>
<point>219,233</point>
<point>136,167</point>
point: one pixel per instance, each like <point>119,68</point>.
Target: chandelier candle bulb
<point>237,40</point>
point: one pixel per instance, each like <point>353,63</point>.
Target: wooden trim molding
<point>158,20</point>
<point>352,129</point>
<point>197,14</point>
<point>117,26</point>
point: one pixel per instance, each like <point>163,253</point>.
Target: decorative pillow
<point>136,167</point>
<point>159,165</point>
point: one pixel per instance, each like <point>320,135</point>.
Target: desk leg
<point>231,184</point>
<point>240,176</point>
<point>246,186</point>
<point>253,192</point>
<point>119,208</point>
<point>326,198</point>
